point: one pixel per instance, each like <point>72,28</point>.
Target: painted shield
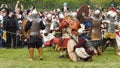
<point>70,45</point>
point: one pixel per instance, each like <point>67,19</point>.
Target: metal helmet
<point>111,13</point>
<point>97,11</point>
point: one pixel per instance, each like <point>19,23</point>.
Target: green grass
<point>16,58</point>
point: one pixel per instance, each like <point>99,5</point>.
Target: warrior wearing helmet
<point>110,31</point>
<point>82,48</point>
<point>35,40</point>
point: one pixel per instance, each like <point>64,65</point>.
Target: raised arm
<point>16,6</point>
<point>22,7</point>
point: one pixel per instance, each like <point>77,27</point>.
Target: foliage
<point>16,58</point>
<point>53,4</point>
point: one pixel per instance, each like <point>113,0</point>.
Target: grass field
<point>17,58</point>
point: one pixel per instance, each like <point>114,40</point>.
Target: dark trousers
<point>112,42</point>
<point>11,38</point>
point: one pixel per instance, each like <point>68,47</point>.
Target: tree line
<point>53,4</point>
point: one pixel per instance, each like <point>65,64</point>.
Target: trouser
<point>11,38</point>
<point>112,42</point>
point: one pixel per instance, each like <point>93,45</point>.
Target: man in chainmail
<point>110,31</point>
<point>35,40</point>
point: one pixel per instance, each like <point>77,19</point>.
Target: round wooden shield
<point>70,45</point>
<point>95,33</point>
<point>26,34</point>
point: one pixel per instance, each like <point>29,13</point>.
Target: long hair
<point>83,9</point>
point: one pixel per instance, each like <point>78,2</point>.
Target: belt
<point>34,33</point>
